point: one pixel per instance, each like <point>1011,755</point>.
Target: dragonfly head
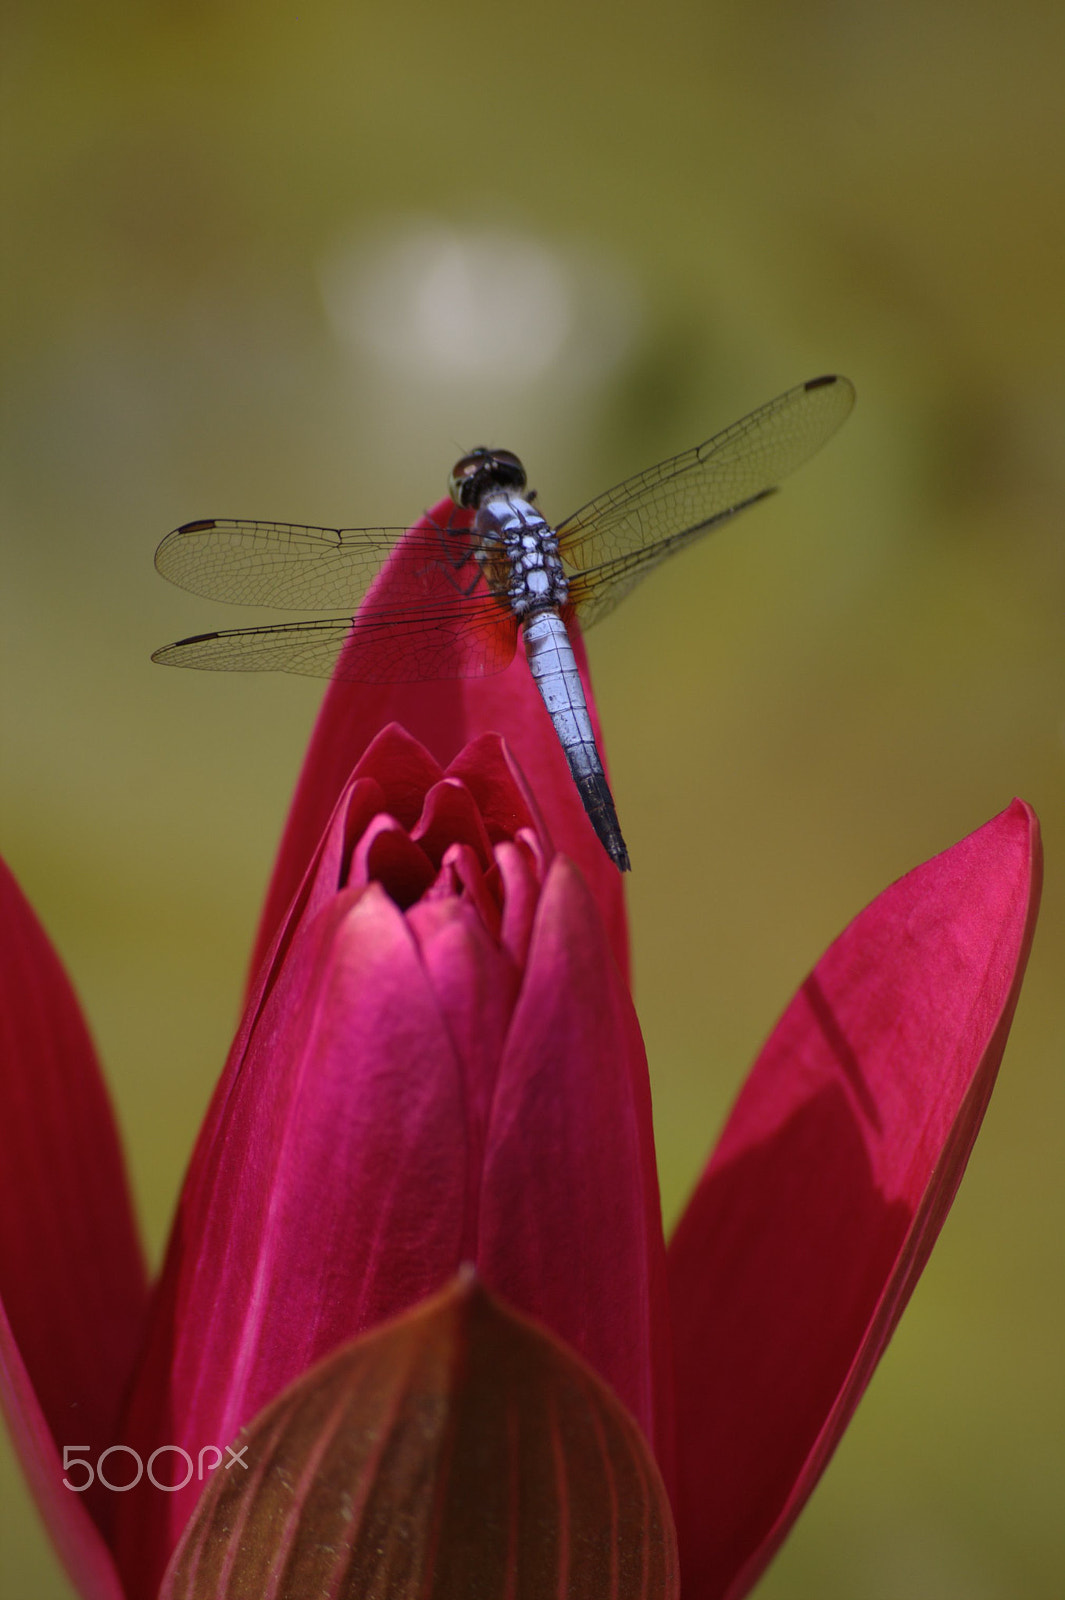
<point>483,471</point>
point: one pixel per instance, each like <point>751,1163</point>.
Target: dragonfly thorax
<point>518,553</point>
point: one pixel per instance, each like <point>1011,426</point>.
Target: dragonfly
<point>449,600</point>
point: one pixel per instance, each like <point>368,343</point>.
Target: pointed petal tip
<point>1023,817</point>
<point>1017,820</point>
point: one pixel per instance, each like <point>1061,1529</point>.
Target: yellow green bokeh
<point>828,692</point>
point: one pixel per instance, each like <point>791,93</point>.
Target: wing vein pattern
<point>615,540</point>
<point>415,605</point>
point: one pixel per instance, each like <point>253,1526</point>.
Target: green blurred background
<point>283,261</point>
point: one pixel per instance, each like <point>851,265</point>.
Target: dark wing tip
<point>202,527</point>
<point>812,383</point>
<point>165,653</point>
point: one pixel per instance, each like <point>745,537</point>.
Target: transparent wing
<point>311,648</point>
<point>425,613</point>
<point>296,568</point>
<point>472,640</point>
<point>614,541</point>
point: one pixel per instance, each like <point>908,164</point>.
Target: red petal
<point>403,767</point>
<point>498,785</point>
<point>77,1539</point>
<point>392,778</point>
<point>807,1233</point>
<point>450,815</point>
<point>444,717</point>
<point>459,1451</point>
<point>72,1277</point>
<point>330,1190</point>
<point>387,854</point>
<point>521,895</point>
<point>570,1229</point>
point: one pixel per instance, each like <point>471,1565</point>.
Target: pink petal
<point>450,813</point>
<point>72,1278</point>
<point>331,1192</point>
<point>570,1229</point>
<point>403,767</point>
<point>497,783</point>
<point>390,779</point>
<point>386,853</point>
<point>444,716</point>
<point>463,874</point>
<point>809,1228</point>
<point>521,895</point>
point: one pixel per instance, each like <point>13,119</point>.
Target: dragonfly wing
<point>595,592</point>
<point>310,648</point>
<point>418,606</point>
<point>427,613</point>
<point>615,540</point>
<point>472,636</point>
<point>378,646</point>
<point>296,568</point>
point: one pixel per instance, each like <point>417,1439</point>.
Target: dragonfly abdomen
<point>554,669</point>
<point>519,554</point>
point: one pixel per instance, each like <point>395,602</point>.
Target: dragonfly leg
<point>456,552</point>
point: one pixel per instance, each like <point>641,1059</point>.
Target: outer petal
<point>74,1534</point>
<point>445,716</point>
<point>71,1273</point>
<point>460,1450</point>
<point>807,1233</point>
<point>570,1229</point>
<point>332,1193</point>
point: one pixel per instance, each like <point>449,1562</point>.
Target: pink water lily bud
<point>440,1063</point>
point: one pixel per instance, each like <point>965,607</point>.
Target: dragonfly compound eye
<point>481,472</point>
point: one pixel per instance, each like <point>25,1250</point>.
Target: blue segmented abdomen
<point>554,669</point>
